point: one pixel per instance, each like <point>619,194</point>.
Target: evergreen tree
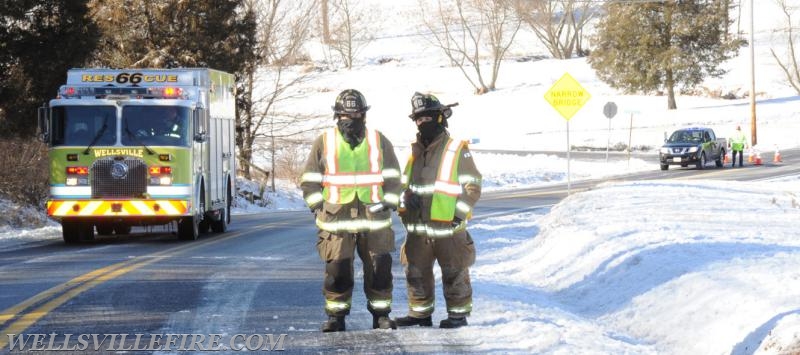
<point>39,41</point>
<point>655,46</point>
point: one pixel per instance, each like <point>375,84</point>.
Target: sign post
<point>609,110</point>
<point>567,96</point>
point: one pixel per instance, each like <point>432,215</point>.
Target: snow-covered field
<point>623,268</point>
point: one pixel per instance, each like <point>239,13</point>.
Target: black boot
<point>409,321</point>
<point>333,324</point>
<point>383,322</point>
<point>451,322</point>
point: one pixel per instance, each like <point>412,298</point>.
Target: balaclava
<point>431,129</point>
<point>353,130</point>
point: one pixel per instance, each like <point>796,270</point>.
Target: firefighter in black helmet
<point>351,182</point>
<point>442,186</point>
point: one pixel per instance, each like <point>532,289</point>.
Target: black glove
<point>412,200</point>
<point>456,222</point>
<point>315,207</point>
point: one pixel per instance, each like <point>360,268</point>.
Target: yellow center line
<point>80,284</point>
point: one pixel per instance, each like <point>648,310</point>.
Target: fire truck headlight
<point>72,181</point>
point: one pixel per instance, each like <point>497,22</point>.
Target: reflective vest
<point>446,188</point>
<point>352,172</point>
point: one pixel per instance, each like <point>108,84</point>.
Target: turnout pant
<point>338,251</point>
<point>455,255</point>
<point>733,157</point>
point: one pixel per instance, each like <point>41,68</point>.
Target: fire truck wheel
<point>76,231</point>
<point>204,226</point>
<point>221,226</point>
<point>188,228</point>
<point>120,229</point>
<point>104,228</point>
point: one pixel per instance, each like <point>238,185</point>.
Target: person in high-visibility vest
<point>738,144</point>
<point>442,186</point>
<point>351,183</point>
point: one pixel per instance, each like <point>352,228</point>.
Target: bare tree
<point>284,26</point>
<point>557,23</point>
<point>326,30</point>
<point>351,29</point>
<point>466,30</point>
<point>790,64</point>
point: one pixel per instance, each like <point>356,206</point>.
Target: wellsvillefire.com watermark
<point>146,342</point>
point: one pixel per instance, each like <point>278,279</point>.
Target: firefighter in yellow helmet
<point>351,183</point>
<point>442,186</point>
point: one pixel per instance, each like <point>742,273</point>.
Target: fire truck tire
<point>120,229</point>
<point>204,226</point>
<point>76,231</point>
<point>188,228</point>
<point>221,226</point>
<point>104,228</point>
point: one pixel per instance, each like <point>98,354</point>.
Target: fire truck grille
<point>119,178</point>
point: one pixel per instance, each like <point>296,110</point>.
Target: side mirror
<point>198,118</point>
<point>44,124</point>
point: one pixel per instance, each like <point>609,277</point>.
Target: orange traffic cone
<point>777,158</point>
<point>727,158</point>
<point>750,156</point>
<point>758,158</point>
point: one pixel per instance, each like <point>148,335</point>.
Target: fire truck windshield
<point>81,125</point>
<point>155,126</point>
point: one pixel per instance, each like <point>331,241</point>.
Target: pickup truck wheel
<point>701,164</point>
<point>719,161</point>
<point>664,167</point>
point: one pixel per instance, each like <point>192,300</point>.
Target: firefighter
<point>442,186</point>
<point>351,183</point>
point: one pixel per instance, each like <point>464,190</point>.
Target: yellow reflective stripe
<point>86,208</point>
<point>392,198</point>
<point>462,309</point>
<point>336,305</point>
<point>354,225</point>
<point>352,179</point>
<point>390,173</point>
<point>311,177</point>
<point>422,308</point>
<point>380,304</point>
<point>314,198</point>
<point>463,207</point>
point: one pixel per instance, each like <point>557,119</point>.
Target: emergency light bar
<point>168,92</point>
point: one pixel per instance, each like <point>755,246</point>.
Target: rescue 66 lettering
<point>135,78</point>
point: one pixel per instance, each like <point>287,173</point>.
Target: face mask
<point>352,130</point>
<point>429,130</point>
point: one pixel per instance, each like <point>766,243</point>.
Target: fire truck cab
<point>132,147</point>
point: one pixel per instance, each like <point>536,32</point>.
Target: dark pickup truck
<point>692,146</point>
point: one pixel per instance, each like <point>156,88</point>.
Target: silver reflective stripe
<point>380,304</point>
<point>314,198</point>
<point>425,308</point>
<point>447,187</point>
<point>466,179</point>
<point>425,230</point>
<point>463,207</point>
<point>391,173</point>
<point>462,309</point>
<point>354,225</point>
<point>421,189</point>
<point>337,306</point>
<point>311,177</point>
<point>392,198</point>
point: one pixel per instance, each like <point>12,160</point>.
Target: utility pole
<point>753,136</point>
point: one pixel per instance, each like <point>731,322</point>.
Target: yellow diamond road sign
<point>567,96</point>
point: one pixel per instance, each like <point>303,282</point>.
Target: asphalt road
<point>261,277</point>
